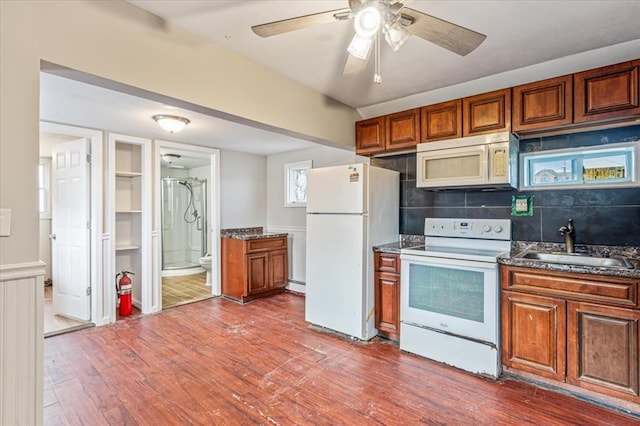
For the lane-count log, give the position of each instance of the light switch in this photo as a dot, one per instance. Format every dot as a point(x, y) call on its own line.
point(5, 222)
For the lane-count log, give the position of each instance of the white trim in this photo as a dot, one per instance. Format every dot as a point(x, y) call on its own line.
point(96, 265)
point(297, 287)
point(214, 214)
point(279, 229)
point(17, 271)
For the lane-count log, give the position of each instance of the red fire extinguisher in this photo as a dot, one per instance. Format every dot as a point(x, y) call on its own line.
point(123, 287)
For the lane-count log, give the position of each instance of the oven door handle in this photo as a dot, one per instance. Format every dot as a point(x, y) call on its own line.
point(445, 261)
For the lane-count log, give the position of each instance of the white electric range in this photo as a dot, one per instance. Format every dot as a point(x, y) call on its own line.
point(449, 307)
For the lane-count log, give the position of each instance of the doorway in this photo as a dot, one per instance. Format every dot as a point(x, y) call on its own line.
point(69, 226)
point(187, 214)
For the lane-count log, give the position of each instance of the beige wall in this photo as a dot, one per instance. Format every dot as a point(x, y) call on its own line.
point(119, 42)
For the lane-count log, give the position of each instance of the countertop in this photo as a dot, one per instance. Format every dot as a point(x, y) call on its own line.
point(631, 253)
point(405, 241)
point(254, 233)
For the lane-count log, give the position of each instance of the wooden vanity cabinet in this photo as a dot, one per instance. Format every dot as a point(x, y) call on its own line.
point(387, 294)
point(370, 136)
point(487, 113)
point(577, 328)
point(607, 93)
point(441, 121)
point(253, 268)
point(543, 104)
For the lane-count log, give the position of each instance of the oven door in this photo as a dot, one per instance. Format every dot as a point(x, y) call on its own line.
point(458, 297)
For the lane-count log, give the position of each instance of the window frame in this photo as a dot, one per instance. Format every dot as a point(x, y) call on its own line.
point(288, 169)
point(578, 155)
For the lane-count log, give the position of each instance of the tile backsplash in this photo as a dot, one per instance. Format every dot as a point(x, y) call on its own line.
point(601, 216)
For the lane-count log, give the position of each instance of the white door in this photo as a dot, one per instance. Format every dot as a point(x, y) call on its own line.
point(335, 273)
point(70, 255)
point(338, 189)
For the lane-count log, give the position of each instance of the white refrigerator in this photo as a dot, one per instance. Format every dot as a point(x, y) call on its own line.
point(350, 209)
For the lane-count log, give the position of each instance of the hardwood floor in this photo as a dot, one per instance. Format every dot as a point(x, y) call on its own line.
point(184, 289)
point(56, 324)
point(218, 362)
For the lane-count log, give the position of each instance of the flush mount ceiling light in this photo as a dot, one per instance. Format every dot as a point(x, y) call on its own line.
point(171, 123)
point(169, 158)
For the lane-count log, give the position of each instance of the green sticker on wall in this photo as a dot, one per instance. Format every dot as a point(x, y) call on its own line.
point(522, 205)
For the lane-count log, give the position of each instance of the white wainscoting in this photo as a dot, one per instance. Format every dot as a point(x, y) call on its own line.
point(108, 302)
point(297, 255)
point(21, 341)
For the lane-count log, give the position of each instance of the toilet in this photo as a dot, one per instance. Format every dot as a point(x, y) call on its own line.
point(205, 262)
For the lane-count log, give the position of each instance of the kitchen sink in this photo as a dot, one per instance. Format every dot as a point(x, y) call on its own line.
point(577, 259)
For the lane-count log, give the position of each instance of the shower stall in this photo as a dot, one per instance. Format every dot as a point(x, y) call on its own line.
point(184, 222)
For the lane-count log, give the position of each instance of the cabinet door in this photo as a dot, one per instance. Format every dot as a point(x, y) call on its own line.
point(278, 269)
point(487, 113)
point(607, 93)
point(441, 121)
point(534, 334)
point(602, 352)
point(387, 295)
point(257, 273)
point(370, 135)
point(543, 104)
point(403, 129)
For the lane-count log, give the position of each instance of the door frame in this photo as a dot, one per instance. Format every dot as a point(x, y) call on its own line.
point(214, 214)
point(96, 138)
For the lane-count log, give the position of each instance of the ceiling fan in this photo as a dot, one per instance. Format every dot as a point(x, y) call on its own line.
point(391, 18)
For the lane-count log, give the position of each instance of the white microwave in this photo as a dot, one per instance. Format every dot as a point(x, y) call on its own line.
point(485, 161)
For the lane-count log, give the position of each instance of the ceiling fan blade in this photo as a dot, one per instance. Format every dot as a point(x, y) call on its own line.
point(300, 22)
point(354, 65)
point(450, 36)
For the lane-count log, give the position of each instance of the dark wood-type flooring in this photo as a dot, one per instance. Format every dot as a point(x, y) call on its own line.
point(218, 362)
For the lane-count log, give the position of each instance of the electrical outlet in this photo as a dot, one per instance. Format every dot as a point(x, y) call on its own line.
point(5, 222)
point(522, 205)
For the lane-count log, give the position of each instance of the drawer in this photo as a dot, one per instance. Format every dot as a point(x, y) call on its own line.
point(266, 244)
point(601, 289)
point(387, 262)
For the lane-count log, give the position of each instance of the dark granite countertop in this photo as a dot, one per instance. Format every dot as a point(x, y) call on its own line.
point(254, 233)
point(631, 253)
point(405, 241)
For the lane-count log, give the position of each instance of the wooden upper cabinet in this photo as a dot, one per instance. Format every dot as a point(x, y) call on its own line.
point(487, 113)
point(543, 104)
point(441, 121)
point(370, 135)
point(607, 93)
point(403, 129)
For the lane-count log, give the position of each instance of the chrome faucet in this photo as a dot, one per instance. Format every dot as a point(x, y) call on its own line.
point(569, 236)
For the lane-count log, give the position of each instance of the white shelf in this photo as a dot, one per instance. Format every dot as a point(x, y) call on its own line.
point(128, 211)
point(127, 174)
point(129, 247)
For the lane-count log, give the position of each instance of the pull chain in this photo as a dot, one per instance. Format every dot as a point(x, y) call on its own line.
point(377, 78)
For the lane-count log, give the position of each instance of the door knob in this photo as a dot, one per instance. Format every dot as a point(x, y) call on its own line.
point(52, 236)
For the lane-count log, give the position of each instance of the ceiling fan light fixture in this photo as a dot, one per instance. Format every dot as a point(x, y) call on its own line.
point(360, 46)
point(171, 123)
point(396, 35)
point(367, 21)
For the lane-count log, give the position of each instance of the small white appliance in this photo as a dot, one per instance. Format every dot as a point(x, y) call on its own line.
point(350, 209)
point(449, 293)
point(483, 161)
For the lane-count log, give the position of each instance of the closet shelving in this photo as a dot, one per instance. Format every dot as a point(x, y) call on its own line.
point(131, 206)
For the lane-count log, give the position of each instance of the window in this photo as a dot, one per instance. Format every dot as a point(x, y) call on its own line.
point(44, 188)
point(295, 183)
point(614, 165)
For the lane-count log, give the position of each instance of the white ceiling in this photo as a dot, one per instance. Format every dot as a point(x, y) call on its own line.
point(67, 101)
point(519, 34)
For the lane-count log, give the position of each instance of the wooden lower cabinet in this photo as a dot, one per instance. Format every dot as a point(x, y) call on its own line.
point(387, 294)
point(253, 268)
point(576, 328)
point(602, 351)
point(534, 334)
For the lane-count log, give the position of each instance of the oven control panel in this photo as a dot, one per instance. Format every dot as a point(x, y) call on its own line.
point(493, 229)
